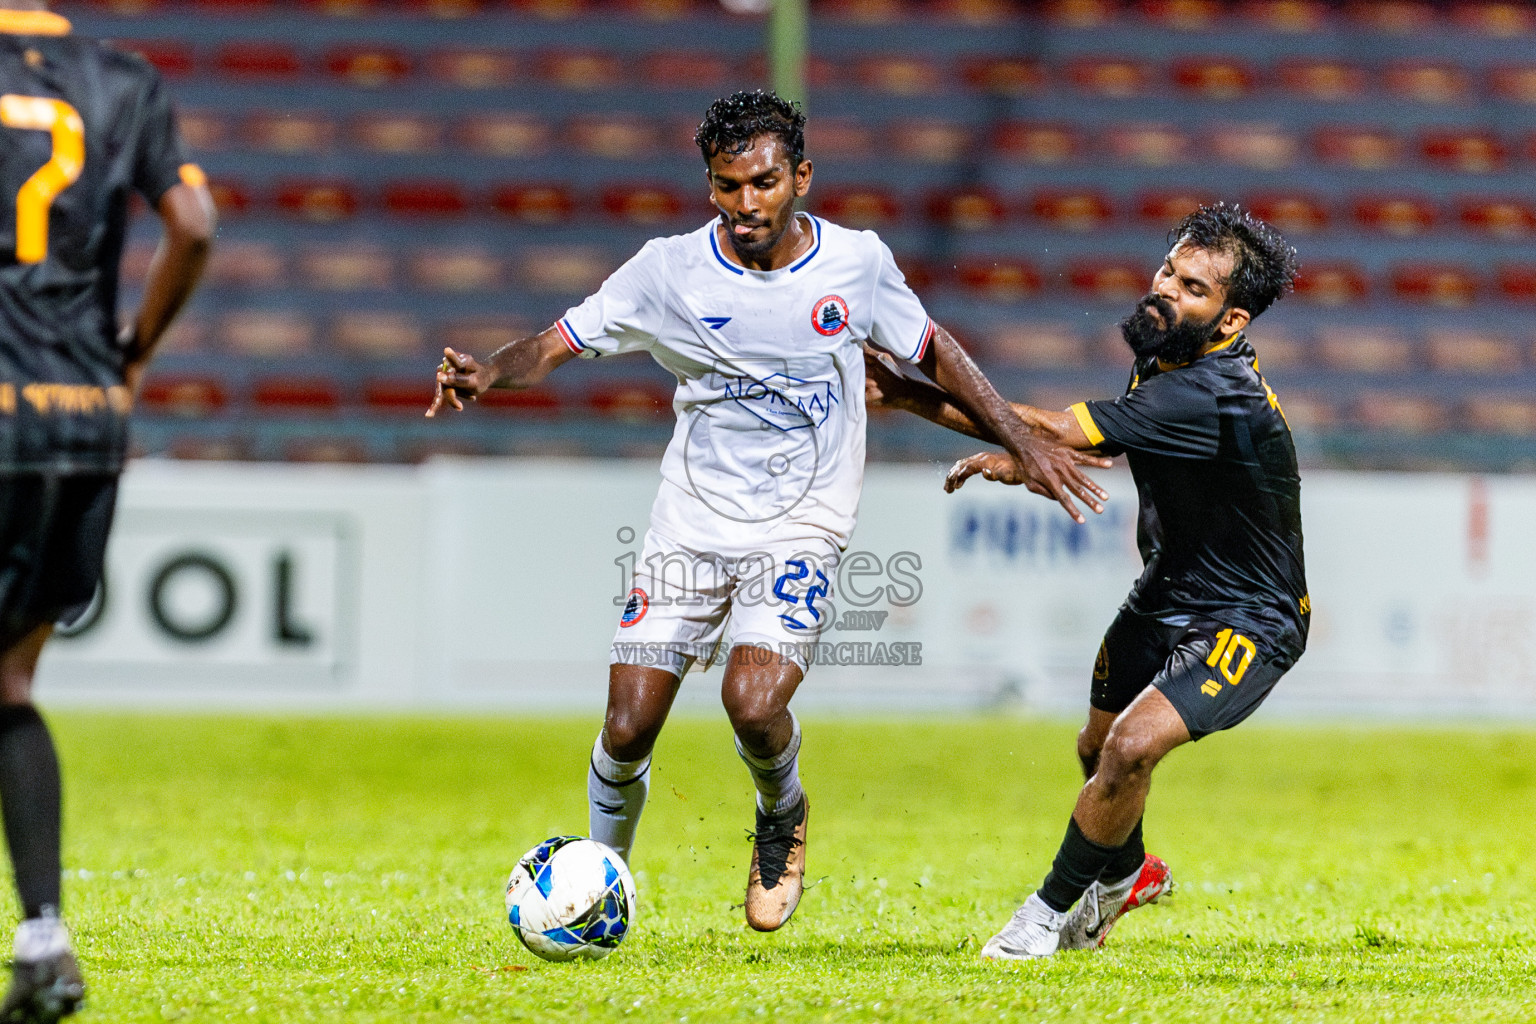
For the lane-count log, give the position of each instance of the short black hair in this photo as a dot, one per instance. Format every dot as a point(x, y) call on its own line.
point(1263, 263)
point(733, 121)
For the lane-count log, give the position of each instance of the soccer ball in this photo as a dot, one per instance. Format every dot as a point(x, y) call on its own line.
point(571, 898)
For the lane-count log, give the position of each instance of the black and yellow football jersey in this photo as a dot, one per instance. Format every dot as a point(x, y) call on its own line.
point(83, 126)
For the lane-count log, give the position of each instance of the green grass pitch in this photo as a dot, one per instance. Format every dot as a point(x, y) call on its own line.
point(263, 869)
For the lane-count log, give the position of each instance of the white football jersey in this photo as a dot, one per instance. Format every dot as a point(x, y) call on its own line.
point(769, 443)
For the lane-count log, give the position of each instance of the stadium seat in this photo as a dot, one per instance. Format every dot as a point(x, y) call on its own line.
point(1111, 280)
point(1277, 348)
point(187, 334)
point(534, 203)
point(1183, 15)
point(481, 335)
point(551, 10)
point(368, 67)
point(1146, 145)
point(289, 131)
point(1326, 81)
point(1263, 147)
point(230, 198)
point(838, 138)
point(1500, 20)
point(1162, 210)
point(189, 395)
point(474, 68)
point(347, 267)
point(1012, 77)
point(1331, 284)
point(130, 8)
point(232, 8)
point(536, 401)
point(898, 75)
point(1435, 284)
point(405, 396)
point(643, 203)
point(263, 333)
point(1038, 143)
point(1071, 210)
point(1289, 16)
point(1399, 413)
point(1042, 346)
point(1500, 414)
point(577, 70)
point(1516, 282)
point(504, 135)
point(631, 402)
point(309, 394)
point(864, 12)
point(378, 334)
point(1003, 279)
point(930, 141)
point(1424, 82)
point(1398, 17)
point(1468, 152)
point(425, 198)
point(397, 133)
point(204, 131)
point(921, 276)
point(246, 265)
point(685, 69)
point(202, 448)
point(258, 61)
point(566, 269)
point(967, 210)
point(341, 8)
point(464, 268)
point(1211, 78)
point(171, 57)
point(1365, 350)
point(319, 201)
point(1291, 213)
point(973, 13)
point(1515, 83)
point(1359, 148)
point(1114, 78)
point(1403, 216)
point(324, 449)
point(1508, 218)
point(614, 137)
point(1080, 14)
point(1472, 352)
point(858, 208)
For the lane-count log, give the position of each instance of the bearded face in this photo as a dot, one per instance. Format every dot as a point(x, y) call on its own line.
point(1153, 329)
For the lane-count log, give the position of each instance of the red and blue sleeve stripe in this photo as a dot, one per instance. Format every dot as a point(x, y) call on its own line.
point(922, 346)
point(572, 339)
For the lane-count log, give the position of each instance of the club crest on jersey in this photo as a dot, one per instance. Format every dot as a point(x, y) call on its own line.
point(635, 608)
point(829, 315)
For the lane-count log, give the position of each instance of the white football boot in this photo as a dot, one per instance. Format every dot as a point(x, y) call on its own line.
point(1034, 931)
point(1096, 913)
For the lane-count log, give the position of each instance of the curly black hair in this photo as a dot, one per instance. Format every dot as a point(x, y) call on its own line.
point(732, 122)
point(1263, 263)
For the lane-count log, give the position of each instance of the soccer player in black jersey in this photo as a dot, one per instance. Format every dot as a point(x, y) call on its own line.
point(83, 127)
point(1221, 611)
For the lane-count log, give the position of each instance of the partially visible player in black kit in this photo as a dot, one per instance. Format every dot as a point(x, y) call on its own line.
point(82, 127)
point(1221, 611)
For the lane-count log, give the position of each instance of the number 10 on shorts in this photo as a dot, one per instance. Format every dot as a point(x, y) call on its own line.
point(1228, 644)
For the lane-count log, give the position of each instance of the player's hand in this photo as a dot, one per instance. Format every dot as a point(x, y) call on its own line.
point(884, 385)
point(1048, 470)
point(460, 378)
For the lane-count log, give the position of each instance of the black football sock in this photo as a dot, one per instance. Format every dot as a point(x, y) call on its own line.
point(1127, 860)
point(29, 803)
point(1077, 865)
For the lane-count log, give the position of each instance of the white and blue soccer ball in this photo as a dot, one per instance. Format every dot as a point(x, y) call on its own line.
point(571, 898)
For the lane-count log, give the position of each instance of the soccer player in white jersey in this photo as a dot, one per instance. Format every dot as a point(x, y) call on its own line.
point(761, 315)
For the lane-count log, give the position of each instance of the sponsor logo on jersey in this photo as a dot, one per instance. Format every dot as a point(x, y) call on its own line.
point(829, 315)
point(714, 323)
point(635, 608)
point(786, 402)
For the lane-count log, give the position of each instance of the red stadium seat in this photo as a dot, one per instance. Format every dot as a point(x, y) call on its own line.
point(566, 269)
point(204, 131)
point(261, 333)
point(973, 12)
point(930, 141)
point(378, 334)
point(317, 200)
point(1500, 218)
point(1435, 284)
point(1004, 76)
point(527, 402)
point(1359, 148)
point(1472, 352)
point(642, 203)
point(1332, 284)
point(504, 135)
point(246, 60)
point(1165, 209)
point(1038, 143)
point(551, 10)
point(1147, 145)
point(289, 131)
point(864, 12)
point(465, 268)
point(425, 198)
point(657, 10)
point(1400, 414)
point(1291, 213)
point(1500, 20)
point(1403, 216)
point(616, 137)
point(1469, 152)
point(534, 204)
point(1290, 16)
point(578, 70)
point(407, 396)
point(838, 137)
point(234, 8)
point(1183, 15)
point(633, 402)
point(230, 198)
point(858, 208)
point(967, 209)
point(1498, 414)
point(1398, 17)
point(246, 265)
point(921, 275)
point(1072, 210)
point(1423, 82)
point(189, 395)
point(1111, 280)
point(1004, 279)
point(347, 267)
point(820, 72)
point(369, 67)
point(171, 57)
point(474, 69)
point(341, 8)
point(296, 395)
point(1080, 14)
point(130, 8)
point(685, 69)
point(1516, 282)
point(397, 133)
point(898, 75)
point(1515, 83)
point(1327, 81)
point(1046, 346)
point(1214, 79)
point(1260, 146)
point(1116, 78)
point(1366, 351)
point(480, 334)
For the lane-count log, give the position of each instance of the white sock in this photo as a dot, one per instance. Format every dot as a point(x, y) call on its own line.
point(38, 938)
point(777, 778)
point(616, 792)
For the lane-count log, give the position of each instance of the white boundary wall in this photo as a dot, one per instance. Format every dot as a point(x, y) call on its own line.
point(463, 585)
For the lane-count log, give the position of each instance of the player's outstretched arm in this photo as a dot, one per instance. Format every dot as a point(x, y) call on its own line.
point(520, 364)
point(188, 217)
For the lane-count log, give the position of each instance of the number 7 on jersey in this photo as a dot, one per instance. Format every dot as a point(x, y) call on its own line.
point(38, 192)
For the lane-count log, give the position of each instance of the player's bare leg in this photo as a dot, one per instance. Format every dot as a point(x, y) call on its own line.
point(619, 777)
point(45, 983)
point(756, 691)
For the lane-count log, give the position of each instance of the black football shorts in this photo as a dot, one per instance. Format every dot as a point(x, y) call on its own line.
point(53, 542)
point(1213, 675)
